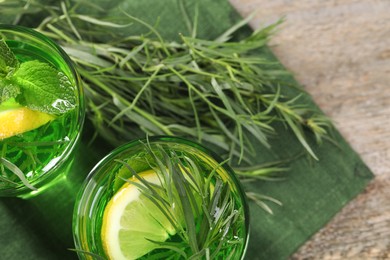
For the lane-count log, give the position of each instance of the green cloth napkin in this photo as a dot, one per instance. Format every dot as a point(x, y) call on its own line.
point(312, 192)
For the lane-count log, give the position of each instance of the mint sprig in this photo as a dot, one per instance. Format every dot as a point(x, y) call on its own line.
point(44, 88)
point(34, 84)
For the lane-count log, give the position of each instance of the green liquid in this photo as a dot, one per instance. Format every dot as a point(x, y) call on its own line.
point(39, 153)
point(108, 182)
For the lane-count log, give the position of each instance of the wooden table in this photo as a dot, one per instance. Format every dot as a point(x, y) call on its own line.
point(339, 51)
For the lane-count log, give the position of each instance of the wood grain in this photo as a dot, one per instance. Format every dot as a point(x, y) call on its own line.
point(339, 51)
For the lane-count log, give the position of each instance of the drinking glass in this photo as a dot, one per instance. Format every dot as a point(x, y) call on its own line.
point(32, 160)
point(161, 197)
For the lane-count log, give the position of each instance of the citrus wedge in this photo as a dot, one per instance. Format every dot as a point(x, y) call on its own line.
point(16, 120)
point(131, 221)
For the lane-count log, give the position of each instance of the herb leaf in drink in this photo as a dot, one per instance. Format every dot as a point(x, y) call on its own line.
point(8, 61)
point(183, 207)
point(34, 84)
point(8, 90)
point(44, 88)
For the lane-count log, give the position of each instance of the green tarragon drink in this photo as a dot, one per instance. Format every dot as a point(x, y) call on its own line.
point(161, 198)
point(41, 111)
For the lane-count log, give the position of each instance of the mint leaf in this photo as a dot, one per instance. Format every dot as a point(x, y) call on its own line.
point(34, 84)
point(43, 88)
point(8, 65)
point(8, 61)
point(8, 90)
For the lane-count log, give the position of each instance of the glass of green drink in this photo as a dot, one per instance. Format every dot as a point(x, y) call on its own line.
point(41, 112)
point(161, 198)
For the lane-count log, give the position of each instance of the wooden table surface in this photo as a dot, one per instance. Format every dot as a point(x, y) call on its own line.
point(339, 51)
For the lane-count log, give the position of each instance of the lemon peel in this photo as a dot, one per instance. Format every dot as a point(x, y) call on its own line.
point(19, 120)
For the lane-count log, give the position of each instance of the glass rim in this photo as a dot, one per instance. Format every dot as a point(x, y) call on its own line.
point(80, 114)
point(84, 197)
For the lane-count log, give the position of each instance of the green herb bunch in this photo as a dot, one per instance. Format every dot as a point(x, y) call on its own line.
point(229, 93)
point(219, 92)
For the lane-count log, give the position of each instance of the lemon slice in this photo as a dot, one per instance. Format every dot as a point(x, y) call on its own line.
point(16, 120)
point(131, 221)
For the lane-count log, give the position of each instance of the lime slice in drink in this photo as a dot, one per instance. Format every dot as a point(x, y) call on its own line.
point(15, 119)
point(131, 221)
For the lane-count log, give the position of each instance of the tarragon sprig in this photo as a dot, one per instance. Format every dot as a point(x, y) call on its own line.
point(221, 92)
point(218, 92)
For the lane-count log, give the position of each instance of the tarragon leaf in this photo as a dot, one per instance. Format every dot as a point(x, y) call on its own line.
point(43, 88)
point(15, 170)
point(8, 61)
